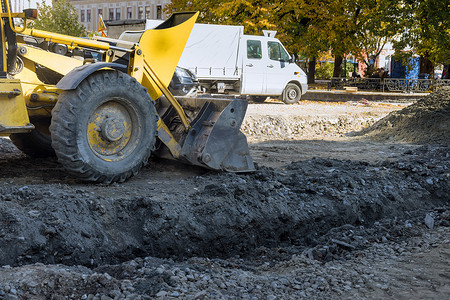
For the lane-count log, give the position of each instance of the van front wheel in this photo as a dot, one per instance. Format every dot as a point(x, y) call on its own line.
point(292, 93)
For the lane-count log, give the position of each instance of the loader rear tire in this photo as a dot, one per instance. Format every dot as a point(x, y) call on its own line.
point(105, 129)
point(36, 143)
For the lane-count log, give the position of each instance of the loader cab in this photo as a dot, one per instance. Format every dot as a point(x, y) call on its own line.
point(267, 67)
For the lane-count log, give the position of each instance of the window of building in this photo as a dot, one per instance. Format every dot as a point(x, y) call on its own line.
point(158, 11)
point(129, 13)
point(118, 13)
point(140, 13)
point(111, 14)
point(254, 49)
point(100, 12)
point(147, 12)
point(82, 15)
point(88, 15)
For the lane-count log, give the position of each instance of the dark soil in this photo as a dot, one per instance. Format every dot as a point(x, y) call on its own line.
point(320, 227)
point(214, 215)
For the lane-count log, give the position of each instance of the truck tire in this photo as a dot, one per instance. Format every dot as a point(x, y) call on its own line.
point(292, 93)
point(258, 99)
point(38, 142)
point(105, 129)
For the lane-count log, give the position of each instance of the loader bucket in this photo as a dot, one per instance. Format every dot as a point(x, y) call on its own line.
point(162, 47)
point(215, 140)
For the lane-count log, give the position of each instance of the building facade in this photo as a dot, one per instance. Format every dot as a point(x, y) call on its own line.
point(113, 10)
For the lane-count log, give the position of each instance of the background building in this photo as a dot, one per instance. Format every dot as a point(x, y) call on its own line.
point(19, 5)
point(112, 11)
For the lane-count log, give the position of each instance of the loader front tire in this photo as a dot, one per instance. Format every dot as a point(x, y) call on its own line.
point(105, 129)
point(36, 143)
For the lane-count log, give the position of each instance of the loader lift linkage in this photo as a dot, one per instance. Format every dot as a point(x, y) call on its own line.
point(104, 117)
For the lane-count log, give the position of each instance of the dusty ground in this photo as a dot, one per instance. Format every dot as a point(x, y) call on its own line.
point(327, 215)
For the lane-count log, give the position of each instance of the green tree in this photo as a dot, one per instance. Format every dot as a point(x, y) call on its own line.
point(61, 18)
point(377, 21)
point(427, 31)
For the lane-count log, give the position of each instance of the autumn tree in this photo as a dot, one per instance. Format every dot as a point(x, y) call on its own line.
point(426, 31)
point(60, 18)
point(301, 29)
point(376, 23)
point(254, 15)
point(311, 28)
point(204, 7)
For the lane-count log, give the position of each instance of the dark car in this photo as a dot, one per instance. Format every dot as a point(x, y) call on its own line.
point(183, 83)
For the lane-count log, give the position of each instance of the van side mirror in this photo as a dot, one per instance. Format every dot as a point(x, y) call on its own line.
point(292, 59)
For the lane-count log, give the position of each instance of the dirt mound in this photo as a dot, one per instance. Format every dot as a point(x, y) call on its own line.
point(426, 121)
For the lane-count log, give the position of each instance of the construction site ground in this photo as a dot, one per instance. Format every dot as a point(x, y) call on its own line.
point(350, 200)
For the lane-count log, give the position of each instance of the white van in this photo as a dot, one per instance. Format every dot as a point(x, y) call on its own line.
point(225, 60)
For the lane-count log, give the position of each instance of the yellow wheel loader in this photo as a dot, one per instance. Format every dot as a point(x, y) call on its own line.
point(102, 105)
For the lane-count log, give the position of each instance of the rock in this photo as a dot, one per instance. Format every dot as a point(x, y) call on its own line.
point(429, 221)
point(190, 277)
point(200, 295)
point(161, 294)
point(34, 213)
point(343, 244)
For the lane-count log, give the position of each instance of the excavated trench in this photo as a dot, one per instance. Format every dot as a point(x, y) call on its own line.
point(180, 211)
point(197, 214)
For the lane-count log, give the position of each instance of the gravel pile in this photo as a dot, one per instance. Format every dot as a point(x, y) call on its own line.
point(308, 119)
point(296, 127)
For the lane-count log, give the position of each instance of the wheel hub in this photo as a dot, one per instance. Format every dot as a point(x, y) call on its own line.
point(113, 129)
point(110, 130)
point(292, 94)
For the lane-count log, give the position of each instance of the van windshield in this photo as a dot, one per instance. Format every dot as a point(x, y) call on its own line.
point(277, 52)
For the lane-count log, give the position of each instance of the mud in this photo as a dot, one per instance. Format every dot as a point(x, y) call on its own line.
point(337, 218)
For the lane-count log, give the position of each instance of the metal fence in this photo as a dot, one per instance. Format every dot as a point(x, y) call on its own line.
point(389, 84)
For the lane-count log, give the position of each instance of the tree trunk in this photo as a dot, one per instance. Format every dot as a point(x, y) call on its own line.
point(311, 70)
point(337, 72)
point(426, 66)
point(445, 72)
